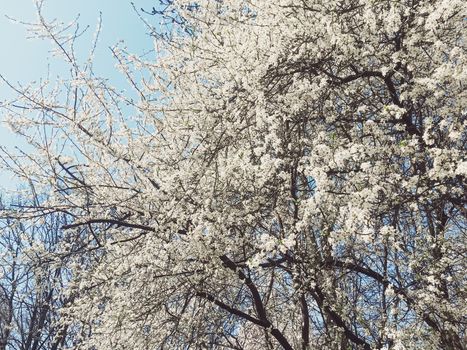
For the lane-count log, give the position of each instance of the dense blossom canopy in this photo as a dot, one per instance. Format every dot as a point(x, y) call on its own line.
point(285, 174)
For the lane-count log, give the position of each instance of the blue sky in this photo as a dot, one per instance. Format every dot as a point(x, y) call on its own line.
point(24, 60)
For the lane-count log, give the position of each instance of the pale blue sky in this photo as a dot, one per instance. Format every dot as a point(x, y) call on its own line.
point(24, 60)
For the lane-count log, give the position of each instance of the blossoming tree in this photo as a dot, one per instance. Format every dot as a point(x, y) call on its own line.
point(30, 286)
point(285, 174)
